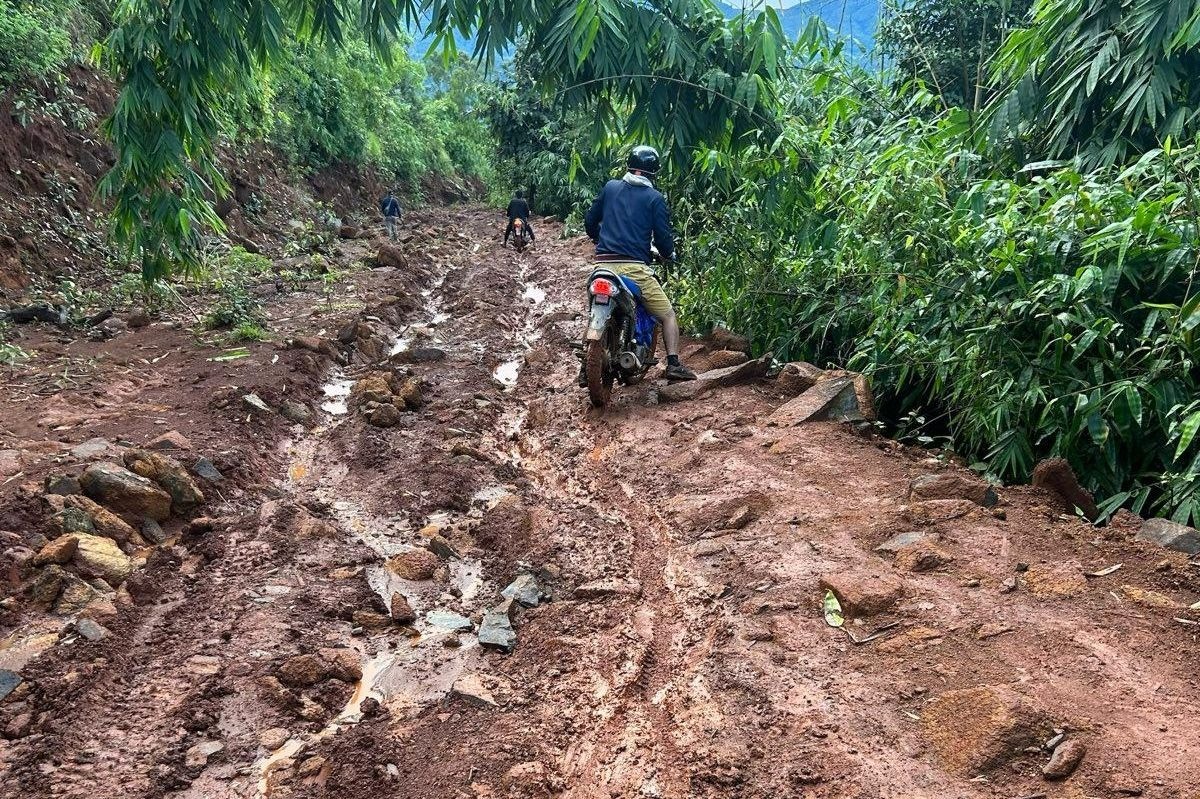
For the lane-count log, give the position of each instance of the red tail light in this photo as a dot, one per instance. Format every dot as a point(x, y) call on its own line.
point(603, 288)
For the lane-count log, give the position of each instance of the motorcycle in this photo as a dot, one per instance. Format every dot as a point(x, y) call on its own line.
point(520, 235)
point(621, 336)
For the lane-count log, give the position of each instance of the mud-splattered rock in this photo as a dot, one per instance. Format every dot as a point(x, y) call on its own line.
point(602, 589)
point(383, 415)
point(723, 359)
point(198, 756)
point(1056, 581)
point(723, 339)
point(951, 485)
point(416, 565)
point(372, 387)
point(1057, 476)
point(304, 670)
point(704, 512)
point(525, 590)
point(409, 394)
point(104, 521)
point(275, 693)
point(922, 557)
point(1066, 758)
point(843, 399)
point(1171, 535)
point(1149, 599)
point(78, 597)
point(864, 593)
point(973, 730)
point(63, 485)
point(126, 493)
point(419, 355)
point(60, 550)
point(471, 688)
point(185, 494)
point(68, 521)
point(902, 540)
point(496, 630)
point(370, 620)
point(714, 379)
point(93, 448)
point(345, 664)
point(46, 587)
point(402, 612)
point(92, 630)
point(274, 738)
point(101, 557)
point(295, 411)
point(207, 470)
point(171, 440)
point(153, 532)
point(797, 377)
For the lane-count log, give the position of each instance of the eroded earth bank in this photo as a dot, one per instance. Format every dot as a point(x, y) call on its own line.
point(285, 574)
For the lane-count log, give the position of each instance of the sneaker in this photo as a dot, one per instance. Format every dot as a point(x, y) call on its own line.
point(679, 372)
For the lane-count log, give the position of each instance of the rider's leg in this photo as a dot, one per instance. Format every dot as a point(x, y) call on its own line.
point(656, 302)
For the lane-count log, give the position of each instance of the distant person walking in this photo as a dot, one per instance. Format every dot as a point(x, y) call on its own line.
point(518, 208)
point(389, 206)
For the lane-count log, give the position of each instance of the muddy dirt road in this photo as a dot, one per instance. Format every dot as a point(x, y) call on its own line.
point(330, 621)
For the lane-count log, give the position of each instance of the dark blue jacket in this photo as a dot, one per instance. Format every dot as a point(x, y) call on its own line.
point(625, 217)
point(389, 206)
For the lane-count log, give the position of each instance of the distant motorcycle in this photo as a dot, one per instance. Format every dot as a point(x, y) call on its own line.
point(621, 336)
point(520, 235)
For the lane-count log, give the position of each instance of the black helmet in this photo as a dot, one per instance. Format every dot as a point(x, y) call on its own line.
point(644, 159)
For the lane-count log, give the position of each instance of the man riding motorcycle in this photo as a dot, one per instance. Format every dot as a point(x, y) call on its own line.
point(518, 208)
point(624, 220)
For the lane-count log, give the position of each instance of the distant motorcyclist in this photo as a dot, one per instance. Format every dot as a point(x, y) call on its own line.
point(389, 206)
point(518, 208)
point(625, 219)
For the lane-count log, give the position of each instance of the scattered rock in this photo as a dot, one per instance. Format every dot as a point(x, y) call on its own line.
point(93, 448)
point(101, 557)
point(932, 511)
point(153, 532)
point(951, 485)
point(171, 440)
point(254, 403)
point(126, 493)
point(1171, 535)
point(912, 637)
point(701, 513)
point(370, 620)
point(1066, 758)
point(198, 756)
point(1149, 599)
point(204, 469)
point(77, 597)
point(63, 485)
point(1056, 475)
point(1056, 581)
point(409, 394)
point(723, 359)
point(992, 629)
point(345, 664)
point(47, 586)
point(275, 693)
point(274, 738)
point(72, 520)
point(922, 557)
point(168, 473)
point(137, 319)
point(302, 671)
point(296, 412)
point(525, 590)
point(384, 415)
point(402, 612)
point(9, 680)
point(1009, 585)
point(372, 387)
point(438, 544)
point(472, 689)
point(496, 630)
point(902, 540)
point(723, 339)
point(602, 589)
point(797, 377)
point(973, 730)
point(91, 630)
point(104, 522)
point(445, 620)
point(419, 355)
point(416, 565)
point(837, 398)
point(60, 550)
point(864, 593)
point(716, 378)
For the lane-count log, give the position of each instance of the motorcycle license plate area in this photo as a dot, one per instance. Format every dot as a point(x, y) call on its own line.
point(598, 319)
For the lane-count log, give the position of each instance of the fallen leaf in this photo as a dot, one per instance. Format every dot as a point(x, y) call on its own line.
point(1104, 572)
point(833, 610)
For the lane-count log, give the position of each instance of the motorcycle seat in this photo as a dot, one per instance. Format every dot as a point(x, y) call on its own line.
point(628, 283)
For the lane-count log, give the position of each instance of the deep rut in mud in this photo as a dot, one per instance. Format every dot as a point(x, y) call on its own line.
point(324, 638)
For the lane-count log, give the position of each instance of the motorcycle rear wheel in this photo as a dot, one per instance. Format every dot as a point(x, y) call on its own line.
point(599, 379)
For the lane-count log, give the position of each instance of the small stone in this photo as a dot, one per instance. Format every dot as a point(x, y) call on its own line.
point(198, 756)
point(63, 485)
point(91, 630)
point(952, 485)
point(525, 590)
point(384, 415)
point(1066, 758)
point(922, 557)
point(471, 688)
point(602, 589)
point(204, 469)
point(370, 620)
point(60, 551)
point(497, 631)
point(402, 612)
point(274, 738)
point(416, 565)
point(1009, 585)
point(9, 680)
point(126, 493)
point(255, 403)
point(1171, 535)
point(171, 440)
point(445, 620)
point(438, 544)
point(153, 532)
point(296, 412)
point(901, 540)
point(101, 557)
point(992, 629)
point(864, 593)
point(93, 448)
point(304, 670)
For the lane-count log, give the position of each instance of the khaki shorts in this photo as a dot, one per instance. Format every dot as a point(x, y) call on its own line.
point(653, 296)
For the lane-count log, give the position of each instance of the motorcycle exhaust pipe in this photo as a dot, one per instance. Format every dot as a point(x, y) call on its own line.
point(629, 362)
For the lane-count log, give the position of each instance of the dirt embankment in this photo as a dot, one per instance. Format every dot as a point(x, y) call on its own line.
point(332, 621)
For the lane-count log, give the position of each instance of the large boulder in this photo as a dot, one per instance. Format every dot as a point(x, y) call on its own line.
point(185, 494)
point(797, 377)
point(716, 378)
point(129, 494)
point(838, 396)
point(1171, 535)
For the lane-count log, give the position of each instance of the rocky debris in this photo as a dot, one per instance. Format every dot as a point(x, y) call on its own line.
point(496, 630)
point(101, 557)
point(723, 359)
point(171, 440)
point(864, 593)
point(1171, 535)
point(390, 255)
point(206, 470)
point(1056, 475)
point(416, 565)
point(274, 738)
point(973, 730)
point(60, 550)
point(525, 590)
point(296, 412)
point(797, 377)
point(63, 485)
point(1066, 758)
point(1056, 581)
point(94, 448)
point(255, 404)
point(275, 693)
point(46, 586)
point(302, 671)
point(9, 680)
point(345, 664)
point(372, 387)
point(348, 232)
point(153, 532)
point(471, 688)
point(72, 520)
point(723, 339)
point(408, 393)
point(610, 587)
point(913, 637)
point(402, 612)
point(78, 596)
point(951, 485)
point(91, 629)
point(382, 415)
point(701, 513)
point(715, 378)
point(198, 756)
point(922, 557)
point(315, 344)
point(901, 540)
point(370, 620)
point(992, 629)
point(100, 520)
point(932, 511)
point(437, 543)
point(124, 492)
point(419, 355)
point(445, 620)
point(185, 494)
point(845, 398)
point(1149, 599)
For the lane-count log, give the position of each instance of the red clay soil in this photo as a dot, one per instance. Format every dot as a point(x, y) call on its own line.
point(678, 648)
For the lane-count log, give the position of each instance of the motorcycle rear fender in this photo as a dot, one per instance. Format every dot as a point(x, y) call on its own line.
point(598, 321)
